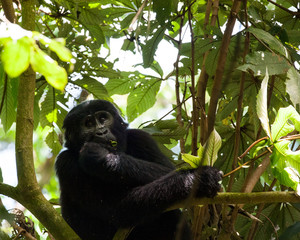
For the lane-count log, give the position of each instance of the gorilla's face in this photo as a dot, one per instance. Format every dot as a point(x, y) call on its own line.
point(94, 121)
point(97, 128)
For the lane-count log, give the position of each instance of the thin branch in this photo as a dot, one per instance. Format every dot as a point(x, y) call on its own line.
point(240, 105)
point(221, 66)
point(284, 9)
point(137, 15)
point(195, 115)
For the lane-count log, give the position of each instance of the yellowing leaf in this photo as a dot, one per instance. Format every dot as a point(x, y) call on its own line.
point(15, 56)
point(55, 75)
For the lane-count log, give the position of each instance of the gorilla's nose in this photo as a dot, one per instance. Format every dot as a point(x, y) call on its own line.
point(101, 132)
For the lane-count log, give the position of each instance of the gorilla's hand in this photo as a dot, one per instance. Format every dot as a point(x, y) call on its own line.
point(92, 150)
point(208, 181)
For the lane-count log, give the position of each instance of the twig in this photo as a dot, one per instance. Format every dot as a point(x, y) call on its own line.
point(137, 15)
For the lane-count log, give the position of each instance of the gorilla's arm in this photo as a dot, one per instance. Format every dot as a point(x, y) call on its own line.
point(118, 167)
point(155, 197)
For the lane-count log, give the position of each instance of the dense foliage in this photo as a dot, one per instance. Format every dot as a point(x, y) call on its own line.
point(236, 85)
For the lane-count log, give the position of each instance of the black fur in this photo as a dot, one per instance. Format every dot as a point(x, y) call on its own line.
point(104, 188)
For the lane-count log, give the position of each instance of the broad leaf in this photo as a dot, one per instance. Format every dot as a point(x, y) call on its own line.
point(150, 48)
point(286, 164)
point(272, 41)
point(55, 75)
point(293, 85)
point(93, 86)
point(281, 126)
point(259, 61)
point(211, 148)
point(261, 105)
point(192, 160)
point(57, 46)
point(142, 98)
point(8, 113)
point(15, 56)
point(118, 86)
point(52, 141)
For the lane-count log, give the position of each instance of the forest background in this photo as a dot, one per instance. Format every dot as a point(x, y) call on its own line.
point(228, 96)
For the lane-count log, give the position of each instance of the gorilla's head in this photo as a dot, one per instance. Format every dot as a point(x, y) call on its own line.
point(97, 121)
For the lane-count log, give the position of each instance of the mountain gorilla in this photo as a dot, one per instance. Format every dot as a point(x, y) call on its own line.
point(113, 177)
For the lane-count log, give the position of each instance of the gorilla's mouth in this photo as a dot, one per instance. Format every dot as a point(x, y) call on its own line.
point(104, 139)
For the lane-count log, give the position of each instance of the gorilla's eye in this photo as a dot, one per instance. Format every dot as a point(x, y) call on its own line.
point(102, 116)
point(89, 122)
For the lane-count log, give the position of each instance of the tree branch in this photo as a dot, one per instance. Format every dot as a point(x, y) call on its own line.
point(241, 198)
point(9, 11)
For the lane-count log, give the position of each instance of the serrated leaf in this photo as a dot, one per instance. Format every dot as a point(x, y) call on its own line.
point(142, 98)
point(151, 45)
point(259, 61)
point(48, 115)
point(15, 56)
point(261, 105)
point(166, 135)
point(53, 143)
point(93, 86)
point(118, 86)
point(272, 41)
point(281, 126)
point(55, 75)
point(293, 85)
point(211, 148)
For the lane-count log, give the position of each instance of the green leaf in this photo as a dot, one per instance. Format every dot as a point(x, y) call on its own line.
point(281, 126)
point(163, 9)
point(286, 164)
point(93, 86)
point(57, 46)
point(211, 148)
point(15, 56)
point(142, 98)
point(52, 141)
point(290, 231)
point(48, 113)
point(192, 160)
point(8, 113)
point(261, 105)
point(272, 41)
point(259, 61)
point(1, 176)
point(151, 45)
point(118, 86)
point(55, 75)
point(293, 85)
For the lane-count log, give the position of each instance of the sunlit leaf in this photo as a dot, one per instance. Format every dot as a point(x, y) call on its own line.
point(281, 126)
point(55, 75)
point(261, 105)
point(211, 148)
point(194, 161)
point(15, 56)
